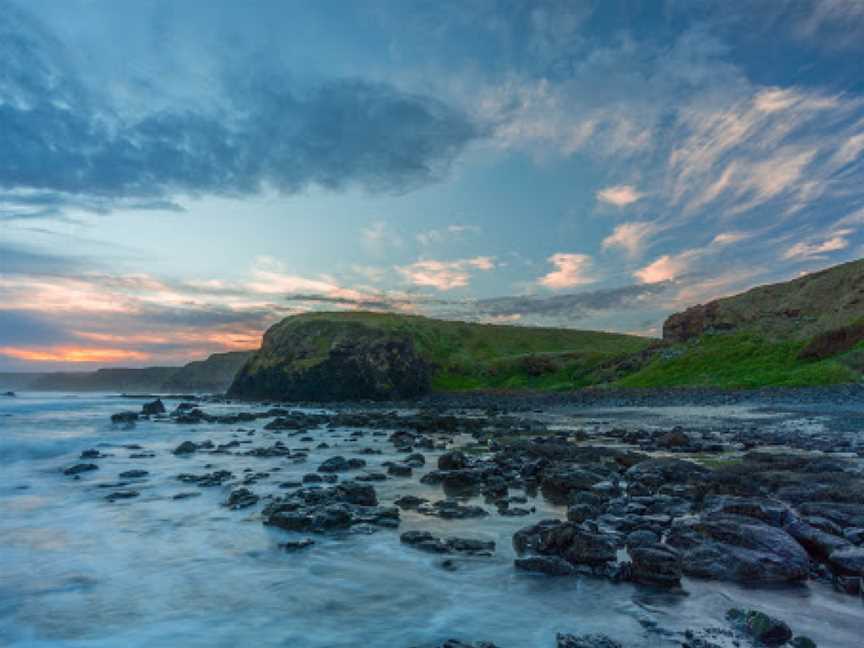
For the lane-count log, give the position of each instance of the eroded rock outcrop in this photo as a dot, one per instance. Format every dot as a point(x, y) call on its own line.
point(320, 359)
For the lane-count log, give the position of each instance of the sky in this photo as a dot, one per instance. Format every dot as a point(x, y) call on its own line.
point(175, 177)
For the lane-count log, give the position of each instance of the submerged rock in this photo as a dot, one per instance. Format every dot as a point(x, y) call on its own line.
point(124, 417)
point(77, 469)
point(241, 498)
point(766, 630)
point(585, 641)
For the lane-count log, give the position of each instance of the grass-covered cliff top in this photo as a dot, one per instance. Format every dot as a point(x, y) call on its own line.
point(465, 355)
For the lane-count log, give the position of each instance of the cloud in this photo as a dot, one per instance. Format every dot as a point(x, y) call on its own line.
point(444, 275)
point(807, 250)
point(630, 237)
point(665, 268)
point(619, 195)
point(379, 236)
point(571, 270)
point(728, 238)
point(432, 236)
point(266, 131)
point(570, 306)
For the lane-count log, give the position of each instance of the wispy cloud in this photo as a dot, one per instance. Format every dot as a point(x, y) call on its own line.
point(630, 237)
point(809, 250)
point(619, 195)
point(444, 234)
point(444, 275)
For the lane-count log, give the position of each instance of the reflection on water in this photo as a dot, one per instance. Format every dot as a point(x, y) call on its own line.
point(76, 570)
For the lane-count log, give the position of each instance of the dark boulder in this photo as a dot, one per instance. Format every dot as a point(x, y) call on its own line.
point(453, 460)
point(187, 447)
point(848, 561)
point(736, 548)
point(578, 544)
point(655, 564)
point(153, 407)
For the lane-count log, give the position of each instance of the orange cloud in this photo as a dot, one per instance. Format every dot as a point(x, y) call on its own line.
point(71, 354)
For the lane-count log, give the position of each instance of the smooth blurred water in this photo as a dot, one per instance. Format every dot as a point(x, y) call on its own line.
point(77, 570)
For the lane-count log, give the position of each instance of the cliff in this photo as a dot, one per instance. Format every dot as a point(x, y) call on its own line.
point(794, 310)
point(359, 355)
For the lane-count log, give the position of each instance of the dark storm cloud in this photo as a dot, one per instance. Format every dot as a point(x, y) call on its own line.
point(61, 141)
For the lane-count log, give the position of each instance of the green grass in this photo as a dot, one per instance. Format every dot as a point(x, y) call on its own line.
point(739, 361)
point(471, 356)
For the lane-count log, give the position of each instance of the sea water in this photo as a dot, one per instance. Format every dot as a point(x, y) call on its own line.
point(79, 570)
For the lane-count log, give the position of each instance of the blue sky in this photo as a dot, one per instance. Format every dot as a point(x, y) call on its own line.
point(176, 177)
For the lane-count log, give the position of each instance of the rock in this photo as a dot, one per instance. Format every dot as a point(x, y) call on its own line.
point(650, 475)
point(153, 407)
point(340, 464)
point(455, 643)
point(77, 469)
point(122, 494)
point(425, 541)
point(818, 544)
point(655, 564)
point(578, 544)
point(735, 548)
point(564, 480)
point(802, 642)
point(580, 513)
point(187, 447)
point(549, 565)
point(133, 474)
point(91, 454)
point(676, 438)
point(453, 460)
point(641, 538)
point(240, 499)
point(766, 630)
point(127, 418)
point(767, 510)
point(410, 502)
point(452, 510)
point(399, 470)
point(855, 535)
point(320, 510)
point(585, 641)
point(187, 495)
point(848, 561)
point(296, 545)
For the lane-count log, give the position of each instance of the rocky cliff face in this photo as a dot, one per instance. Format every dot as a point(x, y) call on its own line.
point(799, 309)
point(316, 359)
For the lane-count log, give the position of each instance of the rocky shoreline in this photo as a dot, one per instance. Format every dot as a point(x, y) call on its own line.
point(647, 505)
